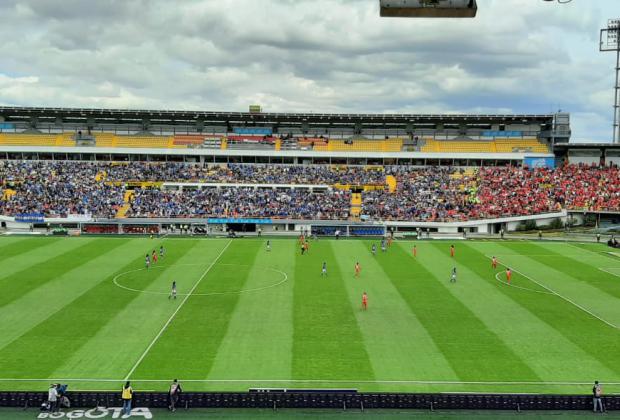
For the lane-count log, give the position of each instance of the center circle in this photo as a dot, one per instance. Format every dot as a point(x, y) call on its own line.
point(282, 274)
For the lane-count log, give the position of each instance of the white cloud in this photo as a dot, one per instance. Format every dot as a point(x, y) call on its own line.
point(526, 56)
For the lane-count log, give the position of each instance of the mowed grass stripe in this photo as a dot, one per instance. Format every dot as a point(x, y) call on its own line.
point(197, 331)
point(40, 272)
point(66, 330)
point(560, 275)
point(259, 340)
point(24, 313)
point(398, 345)
point(475, 352)
point(13, 246)
point(41, 250)
point(327, 341)
point(117, 346)
point(545, 337)
point(585, 267)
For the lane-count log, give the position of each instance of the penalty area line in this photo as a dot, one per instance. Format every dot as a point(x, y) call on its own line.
point(161, 331)
point(606, 270)
point(519, 287)
point(560, 296)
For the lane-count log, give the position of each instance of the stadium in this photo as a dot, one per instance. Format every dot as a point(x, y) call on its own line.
point(297, 264)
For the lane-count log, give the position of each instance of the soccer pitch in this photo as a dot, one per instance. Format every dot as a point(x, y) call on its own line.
point(85, 311)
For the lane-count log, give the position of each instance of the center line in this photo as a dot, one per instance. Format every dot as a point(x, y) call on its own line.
point(176, 311)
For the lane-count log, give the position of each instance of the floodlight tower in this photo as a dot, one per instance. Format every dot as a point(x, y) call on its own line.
point(610, 41)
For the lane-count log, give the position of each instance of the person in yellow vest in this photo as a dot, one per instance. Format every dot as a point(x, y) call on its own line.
point(126, 396)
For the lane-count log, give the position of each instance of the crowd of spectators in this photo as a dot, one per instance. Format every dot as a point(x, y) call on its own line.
point(425, 194)
point(56, 189)
point(516, 191)
point(243, 173)
point(241, 202)
point(59, 189)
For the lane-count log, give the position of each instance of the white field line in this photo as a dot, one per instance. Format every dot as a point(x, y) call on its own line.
point(315, 381)
point(599, 253)
point(560, 296)
point(519, 287)
point(606, 270)
point(537, 255)
point(176, 311)
point(232, 292)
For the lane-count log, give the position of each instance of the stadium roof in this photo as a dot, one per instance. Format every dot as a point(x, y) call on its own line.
point(132, 115)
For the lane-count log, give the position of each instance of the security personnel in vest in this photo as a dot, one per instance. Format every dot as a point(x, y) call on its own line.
point(126, 396)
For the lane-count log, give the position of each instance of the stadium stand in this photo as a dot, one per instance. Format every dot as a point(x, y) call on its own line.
point(144, 141)
point(254, 142)
point(361, 145)
point(507, 145)
point(24, 139)
point(60, 188)
point(188, 140)
point(105, 140)
point(356, 205)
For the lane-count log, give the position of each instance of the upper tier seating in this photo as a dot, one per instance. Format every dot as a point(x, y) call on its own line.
point(508, 145)
point(188, 140)
point(33, 139)
point(144, 141)
point(361, 145)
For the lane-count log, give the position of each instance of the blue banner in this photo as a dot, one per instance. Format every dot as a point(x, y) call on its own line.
point(30, 218)
point(230, 220)
point(7, 126)
point(257, 131)
point(546, 162)
point(502, 133)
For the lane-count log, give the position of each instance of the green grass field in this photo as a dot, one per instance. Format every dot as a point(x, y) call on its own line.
point(85, 311)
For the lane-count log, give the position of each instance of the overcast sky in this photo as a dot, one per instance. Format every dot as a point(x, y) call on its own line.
point(516, 56)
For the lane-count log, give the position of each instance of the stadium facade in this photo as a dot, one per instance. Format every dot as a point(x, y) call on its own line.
point(364, 140)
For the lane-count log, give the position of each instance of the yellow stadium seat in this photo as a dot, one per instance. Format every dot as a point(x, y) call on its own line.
point(159, 142)
point(104, 139)
point(66, 139)
point(508, 145)
point(361, 145)
point(20, 139)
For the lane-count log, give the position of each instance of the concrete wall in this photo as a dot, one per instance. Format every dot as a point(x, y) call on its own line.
point(587, 160)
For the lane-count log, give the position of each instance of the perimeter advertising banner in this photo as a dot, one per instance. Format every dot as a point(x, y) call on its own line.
point(30, 218)
point(539, 162)
point(233, 220)
point(258, 131)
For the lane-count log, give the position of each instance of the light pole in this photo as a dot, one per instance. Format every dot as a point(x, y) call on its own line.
point(609, 41)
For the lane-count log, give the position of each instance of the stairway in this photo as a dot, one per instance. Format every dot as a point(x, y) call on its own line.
point(7, 194)
point(356, 205)
point(390, 180)
point(122, 210)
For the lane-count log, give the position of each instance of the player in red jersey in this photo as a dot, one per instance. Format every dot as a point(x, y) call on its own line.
point(154, 257)
point(415, 251)
point(364, 301)
point(508, 275)
point(452, 251)
point(494, 262)
point(357, 269)
point(389, 241)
